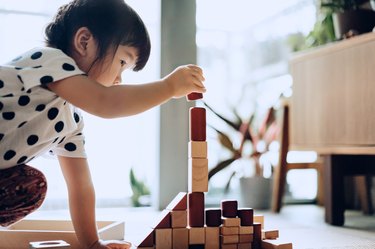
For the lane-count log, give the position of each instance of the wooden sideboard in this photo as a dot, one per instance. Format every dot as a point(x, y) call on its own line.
point(332, 111)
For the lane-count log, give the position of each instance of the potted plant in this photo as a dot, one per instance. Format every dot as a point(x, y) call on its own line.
point(255, 190)
point(350, 17)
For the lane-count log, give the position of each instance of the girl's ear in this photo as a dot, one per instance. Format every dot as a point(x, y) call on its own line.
point(83, 42)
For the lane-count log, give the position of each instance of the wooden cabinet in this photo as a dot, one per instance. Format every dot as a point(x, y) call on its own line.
point(333, 102)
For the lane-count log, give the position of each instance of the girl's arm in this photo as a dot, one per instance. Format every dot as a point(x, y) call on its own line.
point(82, 203)
point(126, 100)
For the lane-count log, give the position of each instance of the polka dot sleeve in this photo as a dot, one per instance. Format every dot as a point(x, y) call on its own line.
point(45, 66)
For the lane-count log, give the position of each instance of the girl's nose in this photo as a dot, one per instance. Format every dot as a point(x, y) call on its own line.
point(118, 80)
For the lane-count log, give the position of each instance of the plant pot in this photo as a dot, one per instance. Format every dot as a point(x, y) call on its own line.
point(255, 192)
point(359, 21)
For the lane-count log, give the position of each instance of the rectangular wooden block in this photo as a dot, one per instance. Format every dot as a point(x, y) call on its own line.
point(270, 234)
point(276, 244)
point(246, 230)
point(213, 217)
point(180, 238)
point(197, 235)
point(244, 246)
point(224, 230)
point(229, 246)
point(259, 219)
point(230, 222)
point(212, 238)
point(197, 149)
point(229, 239)
point(257, 235)
point(21, 233)
point(179, 218)
point(163, 238)
point(246, 215)
point(196, 209)
point(229, 208)
point(51, 244)
point(198, 175)
point(197, 124)
point(179, 202)
point(245, 238)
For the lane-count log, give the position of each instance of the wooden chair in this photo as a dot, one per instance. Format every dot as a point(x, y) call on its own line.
point(361, 182)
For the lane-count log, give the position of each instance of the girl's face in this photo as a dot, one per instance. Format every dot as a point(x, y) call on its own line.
point(108, 71)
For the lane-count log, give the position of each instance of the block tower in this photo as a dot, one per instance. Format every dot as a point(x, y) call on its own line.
point(186, 224)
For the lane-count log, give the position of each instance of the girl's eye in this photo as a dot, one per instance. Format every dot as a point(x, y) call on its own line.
point(122, 62)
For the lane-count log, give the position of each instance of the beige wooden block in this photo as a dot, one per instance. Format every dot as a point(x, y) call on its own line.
point(21, 233)
point(225, 230)
point(212, 237)
point(198, 175)
point(163, 238)
point(259, 219)
point(179, 219)
point(51, 244)
point(270, 234)
point(276, 244)
point(230, 222)
point(197, 149)
point(246, 238)
point(180, 238)
point(244, 246)
point(246, 230)
point(197, 235)
point(229, 239)
point(229, 246)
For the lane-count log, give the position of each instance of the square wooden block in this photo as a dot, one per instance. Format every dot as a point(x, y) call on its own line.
point(197, 149)
point(198, 175)
point(20, 234)
point(212, 238)
point(179, 218)
point(180, 238)
point(163, 238)
point(197, 235)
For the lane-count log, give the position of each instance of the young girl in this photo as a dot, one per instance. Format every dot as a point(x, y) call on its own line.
point(89, 44)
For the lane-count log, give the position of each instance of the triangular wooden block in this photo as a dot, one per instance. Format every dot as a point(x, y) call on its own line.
point(179, 202)
point(146, 239)
point(163, 220)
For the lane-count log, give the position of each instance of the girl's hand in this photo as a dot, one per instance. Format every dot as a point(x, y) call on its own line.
point(184, 80)
point(111, 244)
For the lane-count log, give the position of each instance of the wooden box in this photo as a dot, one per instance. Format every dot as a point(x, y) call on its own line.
point(20, 234)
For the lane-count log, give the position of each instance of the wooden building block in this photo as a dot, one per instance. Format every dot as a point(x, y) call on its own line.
point(163, 238)
point(246, 230)
point(270, 234)
point(198, 175)
point(213, 217)
point(51, 244)
point(197, 149)
point(230, 222)
point(146, 239)
point(197, 124)
point(180, 238)
point(229, 230)
point(229, 239)
point(196, 209)
point(257, 235)
point(229, 208)
point(244, 246)
point(197, 235)
point(229, 246)
point(194, 96)
point(259, 218)
point(179, 202)
point(246, 215)
point(276, 244)
point(246, 238)
point(179, 218)
point(163, 220)
point(21, 233)
point(212, 238)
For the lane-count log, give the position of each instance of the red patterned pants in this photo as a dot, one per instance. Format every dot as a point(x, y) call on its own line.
point(22, 191)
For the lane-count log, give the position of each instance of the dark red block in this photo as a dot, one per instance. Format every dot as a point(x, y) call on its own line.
point(163, 220)
point(229, 208)
point(257, 236)
point(179, 202)
point(196, 209)
point(194, 96)
point(196, 246)
point(246, 215)
point(146, 240)
point(197, 124)
point(213, 217)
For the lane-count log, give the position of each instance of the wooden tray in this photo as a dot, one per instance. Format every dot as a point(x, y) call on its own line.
point(18, 235)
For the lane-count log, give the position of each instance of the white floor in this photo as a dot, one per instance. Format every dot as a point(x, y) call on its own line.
point(303, 225)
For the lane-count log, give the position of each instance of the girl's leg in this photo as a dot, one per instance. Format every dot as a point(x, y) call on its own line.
point(22, 191)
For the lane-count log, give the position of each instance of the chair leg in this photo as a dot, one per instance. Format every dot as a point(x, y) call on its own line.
point(364, 191)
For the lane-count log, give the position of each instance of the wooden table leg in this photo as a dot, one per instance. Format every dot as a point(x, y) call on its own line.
point(334, 190)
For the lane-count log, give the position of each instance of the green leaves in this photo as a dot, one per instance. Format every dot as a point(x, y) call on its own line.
point(138, 187)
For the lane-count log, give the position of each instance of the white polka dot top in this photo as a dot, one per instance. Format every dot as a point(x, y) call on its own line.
point(33, 119)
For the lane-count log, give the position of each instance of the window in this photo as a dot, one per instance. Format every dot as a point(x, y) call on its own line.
point(113, 146)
